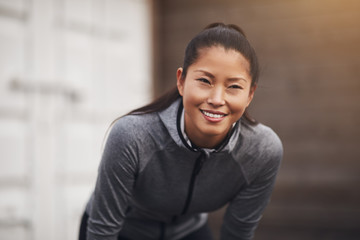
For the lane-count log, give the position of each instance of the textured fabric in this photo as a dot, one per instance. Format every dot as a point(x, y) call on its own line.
point(204, 233)
point(152, 185)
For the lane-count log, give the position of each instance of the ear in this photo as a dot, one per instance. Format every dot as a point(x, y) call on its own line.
point(251, 94)
point(180, 81)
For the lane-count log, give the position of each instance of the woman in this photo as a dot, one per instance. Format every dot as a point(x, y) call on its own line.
point(190, 152)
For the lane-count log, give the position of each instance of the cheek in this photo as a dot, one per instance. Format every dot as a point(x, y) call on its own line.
point(191, 97)
point(238, 112)
point(190, 102)
point(238, 105)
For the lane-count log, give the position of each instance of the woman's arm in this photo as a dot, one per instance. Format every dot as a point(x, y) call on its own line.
point(116, 177)
point(245, 210)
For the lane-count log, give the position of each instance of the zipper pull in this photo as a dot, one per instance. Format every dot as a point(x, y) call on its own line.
point(200, 161)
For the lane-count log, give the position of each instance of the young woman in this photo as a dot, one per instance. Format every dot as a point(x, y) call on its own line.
point(190, 152)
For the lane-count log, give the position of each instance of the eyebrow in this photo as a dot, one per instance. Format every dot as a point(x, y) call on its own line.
point(206, 73)
point(232, 79)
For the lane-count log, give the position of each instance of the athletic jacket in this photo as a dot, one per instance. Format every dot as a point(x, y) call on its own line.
point(152, 185)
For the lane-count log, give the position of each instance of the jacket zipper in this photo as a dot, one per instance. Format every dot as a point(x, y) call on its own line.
point(197, 167)
point(162, 231)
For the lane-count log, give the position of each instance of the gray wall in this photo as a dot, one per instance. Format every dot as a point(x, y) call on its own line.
point(68, 68)
point(309, 92)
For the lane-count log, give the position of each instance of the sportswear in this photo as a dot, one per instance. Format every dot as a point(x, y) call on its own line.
point(153, 185)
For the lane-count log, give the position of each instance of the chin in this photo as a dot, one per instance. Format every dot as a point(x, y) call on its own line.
point(214, 132)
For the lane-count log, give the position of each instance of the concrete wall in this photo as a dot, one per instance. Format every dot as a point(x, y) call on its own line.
point(309, 92)
point(67, 69)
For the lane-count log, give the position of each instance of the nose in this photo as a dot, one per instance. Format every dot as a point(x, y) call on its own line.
point(216, 97)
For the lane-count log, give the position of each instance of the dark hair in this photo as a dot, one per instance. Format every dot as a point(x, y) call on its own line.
point(216, 34)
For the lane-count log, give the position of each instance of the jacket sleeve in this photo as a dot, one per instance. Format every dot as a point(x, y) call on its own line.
point(245, 210)
point(113, 190)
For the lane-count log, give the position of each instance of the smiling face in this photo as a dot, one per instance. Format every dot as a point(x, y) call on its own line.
point(216, 91)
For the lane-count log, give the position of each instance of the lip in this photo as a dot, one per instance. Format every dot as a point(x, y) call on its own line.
point(213, 116)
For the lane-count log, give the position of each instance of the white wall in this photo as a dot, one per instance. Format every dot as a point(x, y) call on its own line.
point(67, 69)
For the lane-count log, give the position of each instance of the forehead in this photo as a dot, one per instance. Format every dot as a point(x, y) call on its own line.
point(218, 55)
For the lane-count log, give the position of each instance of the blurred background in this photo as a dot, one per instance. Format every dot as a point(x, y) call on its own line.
point(69, 67)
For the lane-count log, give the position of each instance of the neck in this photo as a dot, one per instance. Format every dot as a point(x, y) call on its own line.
point(211, 142)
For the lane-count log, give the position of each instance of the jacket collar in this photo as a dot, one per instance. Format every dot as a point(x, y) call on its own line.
point(171, 117)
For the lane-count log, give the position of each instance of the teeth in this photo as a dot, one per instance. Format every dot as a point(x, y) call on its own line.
point(213, 115)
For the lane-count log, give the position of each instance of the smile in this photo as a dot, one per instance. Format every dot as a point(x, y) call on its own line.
point(213, 115)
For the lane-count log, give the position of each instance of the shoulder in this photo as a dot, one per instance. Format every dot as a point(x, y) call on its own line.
point(135, 122)
point(134, 128)
point(261, 138)
point(259, 148)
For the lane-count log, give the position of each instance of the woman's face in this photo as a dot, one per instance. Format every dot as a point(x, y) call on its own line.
point(216, 91)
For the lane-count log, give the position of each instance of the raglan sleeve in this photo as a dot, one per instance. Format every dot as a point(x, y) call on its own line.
point(245, 210)
point(115, 181)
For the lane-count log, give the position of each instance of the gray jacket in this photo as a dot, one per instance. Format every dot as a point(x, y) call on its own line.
point(152, 185)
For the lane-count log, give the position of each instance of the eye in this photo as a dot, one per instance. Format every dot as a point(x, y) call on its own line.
point(204, 80)
point(236, 87)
